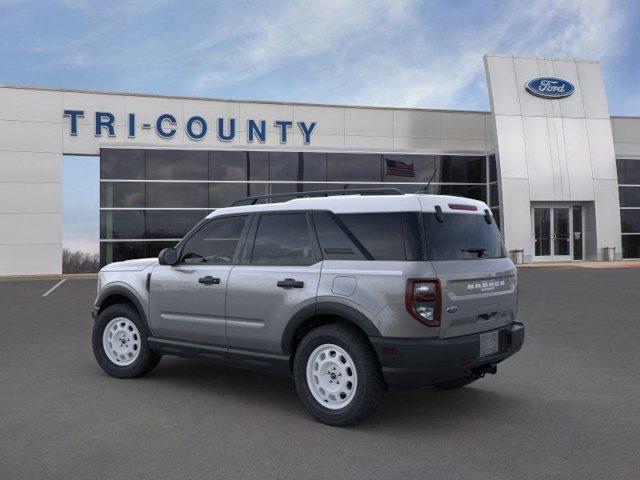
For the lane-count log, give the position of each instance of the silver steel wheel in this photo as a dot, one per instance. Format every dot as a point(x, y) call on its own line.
point(121, 341)
point(332, 376)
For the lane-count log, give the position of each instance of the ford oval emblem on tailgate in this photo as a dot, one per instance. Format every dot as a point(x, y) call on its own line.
point(452, 309)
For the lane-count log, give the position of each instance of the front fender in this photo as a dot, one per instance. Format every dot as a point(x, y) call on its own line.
point(125, 290)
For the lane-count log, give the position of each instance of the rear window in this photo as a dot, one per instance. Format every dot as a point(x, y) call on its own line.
point(462, 236)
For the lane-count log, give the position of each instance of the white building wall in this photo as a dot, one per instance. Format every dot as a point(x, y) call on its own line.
point(558, 150)
point(30, 182)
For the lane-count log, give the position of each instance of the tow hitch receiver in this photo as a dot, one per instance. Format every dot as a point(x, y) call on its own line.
point(485, 369)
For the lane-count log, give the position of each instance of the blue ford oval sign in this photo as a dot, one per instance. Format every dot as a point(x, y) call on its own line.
point(550, 87)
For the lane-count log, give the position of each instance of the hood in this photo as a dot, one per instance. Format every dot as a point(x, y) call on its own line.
point(130, 265)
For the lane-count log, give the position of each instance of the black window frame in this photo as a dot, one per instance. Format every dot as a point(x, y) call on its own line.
point(239, 247)
point(249, 244)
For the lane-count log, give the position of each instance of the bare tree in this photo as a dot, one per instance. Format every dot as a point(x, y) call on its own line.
point(80, 262)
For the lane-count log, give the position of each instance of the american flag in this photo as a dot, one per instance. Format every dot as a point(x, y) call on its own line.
point(396, 168)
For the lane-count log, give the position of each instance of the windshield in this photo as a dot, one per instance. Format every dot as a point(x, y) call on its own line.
point(462, 236)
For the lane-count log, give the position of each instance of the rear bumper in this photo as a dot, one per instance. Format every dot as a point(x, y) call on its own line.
point(412, 363)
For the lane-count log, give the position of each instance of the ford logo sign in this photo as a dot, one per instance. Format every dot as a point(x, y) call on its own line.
point(549, 87)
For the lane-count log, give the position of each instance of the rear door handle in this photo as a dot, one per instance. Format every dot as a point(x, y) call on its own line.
point(290, 283)
point(209, 280)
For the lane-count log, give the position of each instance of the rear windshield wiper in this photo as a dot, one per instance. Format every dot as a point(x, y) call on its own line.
point(477, 250)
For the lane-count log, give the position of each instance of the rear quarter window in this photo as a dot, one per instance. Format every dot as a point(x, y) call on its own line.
point(462, 236)
point(369, 236)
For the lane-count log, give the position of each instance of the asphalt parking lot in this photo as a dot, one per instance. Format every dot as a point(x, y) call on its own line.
point(565, 407)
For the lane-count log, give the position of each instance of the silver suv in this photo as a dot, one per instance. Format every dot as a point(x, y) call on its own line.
point(350, 294)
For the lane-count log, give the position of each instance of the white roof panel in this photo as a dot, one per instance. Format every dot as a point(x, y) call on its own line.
point(362, 204)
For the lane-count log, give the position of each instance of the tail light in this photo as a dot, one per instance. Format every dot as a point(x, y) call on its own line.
point(422, 299)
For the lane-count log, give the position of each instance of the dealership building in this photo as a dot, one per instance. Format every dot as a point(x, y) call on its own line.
point(561, 176)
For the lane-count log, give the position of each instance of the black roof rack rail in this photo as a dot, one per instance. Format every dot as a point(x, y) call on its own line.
point(315, 193)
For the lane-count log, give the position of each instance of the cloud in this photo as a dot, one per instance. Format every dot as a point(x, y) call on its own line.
point(571, 29)
point(381, 56)
point(391, 53)
point(318, 31)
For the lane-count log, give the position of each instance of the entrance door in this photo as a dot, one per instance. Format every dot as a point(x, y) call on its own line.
point(542, 233)
point(561, 250)
point(557, 233)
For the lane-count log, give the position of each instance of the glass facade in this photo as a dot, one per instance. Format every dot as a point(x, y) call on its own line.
point(150, 198)
point(629, 191)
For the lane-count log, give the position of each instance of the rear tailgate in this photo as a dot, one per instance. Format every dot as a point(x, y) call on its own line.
point(477, 295)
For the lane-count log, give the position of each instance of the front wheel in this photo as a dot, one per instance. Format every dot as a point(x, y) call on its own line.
point(337, 375)
point(120, 343)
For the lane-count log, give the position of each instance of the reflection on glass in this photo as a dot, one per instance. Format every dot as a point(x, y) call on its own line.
point(177, 165)
point(461, 169)
point(171, 223)
point(631, 246)
point(630, 221)
point(258, 166)
point(629, 196)
point(125, 164)
point(283, 239)
point(628, 171)
point(577, 232)
point(224, 194)
point(542, 229)
point(408, 173)
point(408, 168)
point(561, 237)
point(356, 167)
point(496, 217)
point(121, 224)
point(493, 168)
point(315, 167)
point(215, 242)
point(177, 195)
point(129, 195)
point(228, 165)
point(119, 251)
point(380, 233)
point(477, 192)
point(285, 166)
point(493, 195)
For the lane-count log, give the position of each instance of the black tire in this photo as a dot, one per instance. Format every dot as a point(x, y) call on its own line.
point(371, 388)
point(146, 360)
point(456, 383)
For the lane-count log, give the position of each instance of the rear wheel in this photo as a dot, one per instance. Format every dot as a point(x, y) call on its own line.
point(120, 342)
point(456, 383)
point(337, 375)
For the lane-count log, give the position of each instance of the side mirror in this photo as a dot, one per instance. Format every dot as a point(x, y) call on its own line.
point(168, 256)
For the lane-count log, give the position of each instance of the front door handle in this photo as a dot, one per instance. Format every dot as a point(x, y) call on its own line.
point(290, 283)
point(209, 280)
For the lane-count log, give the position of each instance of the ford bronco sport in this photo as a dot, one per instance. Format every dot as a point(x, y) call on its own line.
point(350, 294)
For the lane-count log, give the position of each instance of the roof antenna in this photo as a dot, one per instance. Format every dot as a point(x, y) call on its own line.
point(425, 189)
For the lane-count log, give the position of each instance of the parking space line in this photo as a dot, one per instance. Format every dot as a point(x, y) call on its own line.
point(54, 287)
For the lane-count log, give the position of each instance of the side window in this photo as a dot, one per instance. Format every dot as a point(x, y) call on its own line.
point(216, 242)
point(283, 239)
point(380, 233)
point(334, 241)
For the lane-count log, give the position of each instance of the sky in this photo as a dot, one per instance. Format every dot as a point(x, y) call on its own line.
point(398, 53)
point(80, 202)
